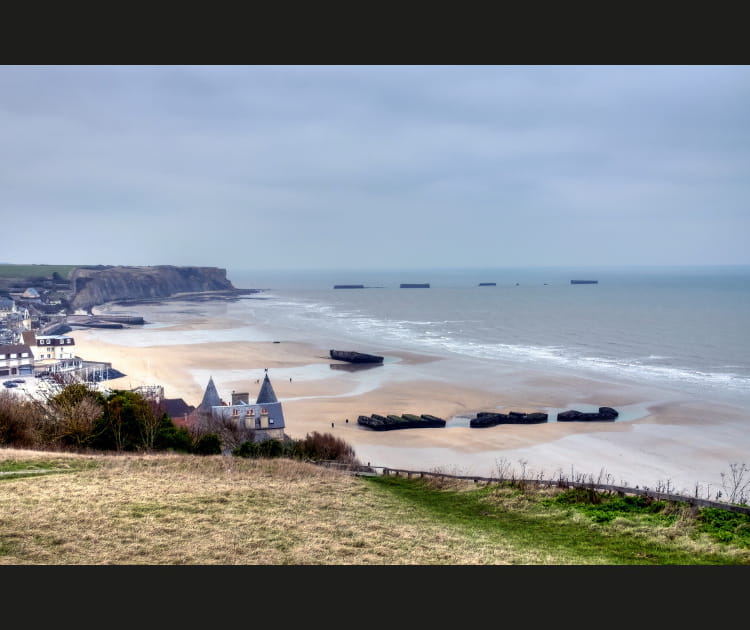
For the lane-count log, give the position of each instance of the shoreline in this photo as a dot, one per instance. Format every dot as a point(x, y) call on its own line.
point(670, 439)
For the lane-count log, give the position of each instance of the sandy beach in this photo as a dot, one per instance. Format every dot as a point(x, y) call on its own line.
point(658, 440)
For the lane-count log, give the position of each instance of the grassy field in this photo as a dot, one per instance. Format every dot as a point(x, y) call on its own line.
point(35, 271)
point(64, 509)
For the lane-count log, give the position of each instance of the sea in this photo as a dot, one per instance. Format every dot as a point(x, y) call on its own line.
point(685, 329)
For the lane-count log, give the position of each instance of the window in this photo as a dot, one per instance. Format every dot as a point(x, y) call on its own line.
point(13, 355)
point(270, 421)
point(235, 412)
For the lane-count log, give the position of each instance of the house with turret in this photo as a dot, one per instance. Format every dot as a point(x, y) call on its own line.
point(264, 416)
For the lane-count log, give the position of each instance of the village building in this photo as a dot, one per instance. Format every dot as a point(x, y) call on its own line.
point(175, 408)
point(16, 360)
point(264, 417)
point(52, 353)
point(14, 319)
point(7, 306)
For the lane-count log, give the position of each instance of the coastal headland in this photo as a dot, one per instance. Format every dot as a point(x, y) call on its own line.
point(659, 439)
point(92, 286)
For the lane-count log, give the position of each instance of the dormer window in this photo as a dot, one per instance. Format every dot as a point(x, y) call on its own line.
point(235, 412)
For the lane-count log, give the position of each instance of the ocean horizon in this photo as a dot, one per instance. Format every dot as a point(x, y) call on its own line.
point(680, 328)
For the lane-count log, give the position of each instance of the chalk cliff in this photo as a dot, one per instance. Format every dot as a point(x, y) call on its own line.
point(91, 286)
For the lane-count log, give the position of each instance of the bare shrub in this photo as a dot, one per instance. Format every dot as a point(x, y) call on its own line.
point(150, 421)
point(67, 409)
point(665, 487)
point(73, 422)
point(448, 477)
point(19, 421)
point(503, 469)
point(231, 434)
point(522, 475)
point(736, 483)
point(327, 447)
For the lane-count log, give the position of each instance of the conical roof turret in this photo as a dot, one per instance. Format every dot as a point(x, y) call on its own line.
point(210, 397)
point(266, 394)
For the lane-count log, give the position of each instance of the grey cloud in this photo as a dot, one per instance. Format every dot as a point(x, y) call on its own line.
point(428, 159)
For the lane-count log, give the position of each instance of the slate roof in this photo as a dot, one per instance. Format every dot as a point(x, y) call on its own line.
point(15, 348)
point(176, 407)
point(210, 397)
point(266, 394)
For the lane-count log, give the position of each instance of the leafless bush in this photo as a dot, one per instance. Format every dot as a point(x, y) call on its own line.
point(230, 433)
point(326, 446)
point(503, 469)
point(577, 477)
point(20, 421)
point(73, 422)
point(665, 487)
point(736, 483)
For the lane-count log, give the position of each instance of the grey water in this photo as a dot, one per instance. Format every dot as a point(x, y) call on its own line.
point(687, 328)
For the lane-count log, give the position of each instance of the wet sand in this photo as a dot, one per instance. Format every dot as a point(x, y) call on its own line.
point(659, 438)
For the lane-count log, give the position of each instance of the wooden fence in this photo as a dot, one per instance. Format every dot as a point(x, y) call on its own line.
point(559, 483)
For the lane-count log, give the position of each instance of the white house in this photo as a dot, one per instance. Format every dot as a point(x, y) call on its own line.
point(52, 353)
point(16, 359)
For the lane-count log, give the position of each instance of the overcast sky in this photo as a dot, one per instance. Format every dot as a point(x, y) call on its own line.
point(250, 167)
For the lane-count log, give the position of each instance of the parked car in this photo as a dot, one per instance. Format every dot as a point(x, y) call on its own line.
point(19, 380)
point(10, 384)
